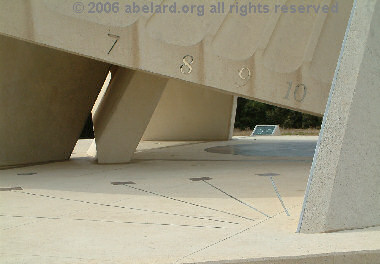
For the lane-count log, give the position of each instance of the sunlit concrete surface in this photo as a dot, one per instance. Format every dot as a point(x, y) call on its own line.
point(190, 112)
point(344, 183)
point(186, 205)
point(124, 113)
point(282, 59)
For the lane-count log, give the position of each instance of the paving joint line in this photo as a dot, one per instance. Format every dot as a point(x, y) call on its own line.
point(33, 222)
point(132, 208)
point(61, 257)
point(112, 221)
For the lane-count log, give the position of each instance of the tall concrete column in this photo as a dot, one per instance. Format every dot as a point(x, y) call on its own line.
point(124, 113)
point(45, 98)
point(191, 112)
point(344, 186)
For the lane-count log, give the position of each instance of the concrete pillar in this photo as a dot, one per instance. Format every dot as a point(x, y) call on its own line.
point(124, 113)
point(45, 98)
point(344, 186)
point(186, 112)
point(191, 112)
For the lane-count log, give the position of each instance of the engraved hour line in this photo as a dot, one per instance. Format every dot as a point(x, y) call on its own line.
point(116, 37)
point(187, 64)
point(296, 90)
point(236, 199)
point(278, 195)
point(188, 203)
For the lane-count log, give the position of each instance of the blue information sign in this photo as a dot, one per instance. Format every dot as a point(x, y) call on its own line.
point(264, 130)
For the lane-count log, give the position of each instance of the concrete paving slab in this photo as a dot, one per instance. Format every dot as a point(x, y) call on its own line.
point(186, 205)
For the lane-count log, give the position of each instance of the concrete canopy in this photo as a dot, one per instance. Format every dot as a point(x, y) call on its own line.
point(286, 59)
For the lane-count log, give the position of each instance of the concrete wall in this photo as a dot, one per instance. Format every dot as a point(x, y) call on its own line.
point(185, 112)
point(344, 185)
point(45, 98)
point(188, 112)
point(192, 112)
point(283, 59)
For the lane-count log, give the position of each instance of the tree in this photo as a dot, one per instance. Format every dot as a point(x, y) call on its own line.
point(251, 113)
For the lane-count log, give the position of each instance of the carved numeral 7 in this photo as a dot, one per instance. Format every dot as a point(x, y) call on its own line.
point(116, 37)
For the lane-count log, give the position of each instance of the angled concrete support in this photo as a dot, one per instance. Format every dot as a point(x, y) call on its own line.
point(124, 113)
point(45, 98)
point(186, 112)
point(191, 112)
point(344, 185)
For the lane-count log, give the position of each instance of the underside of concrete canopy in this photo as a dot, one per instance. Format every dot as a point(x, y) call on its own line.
point(286, 59)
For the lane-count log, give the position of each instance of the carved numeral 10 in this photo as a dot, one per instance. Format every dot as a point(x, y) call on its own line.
point(300, 92)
